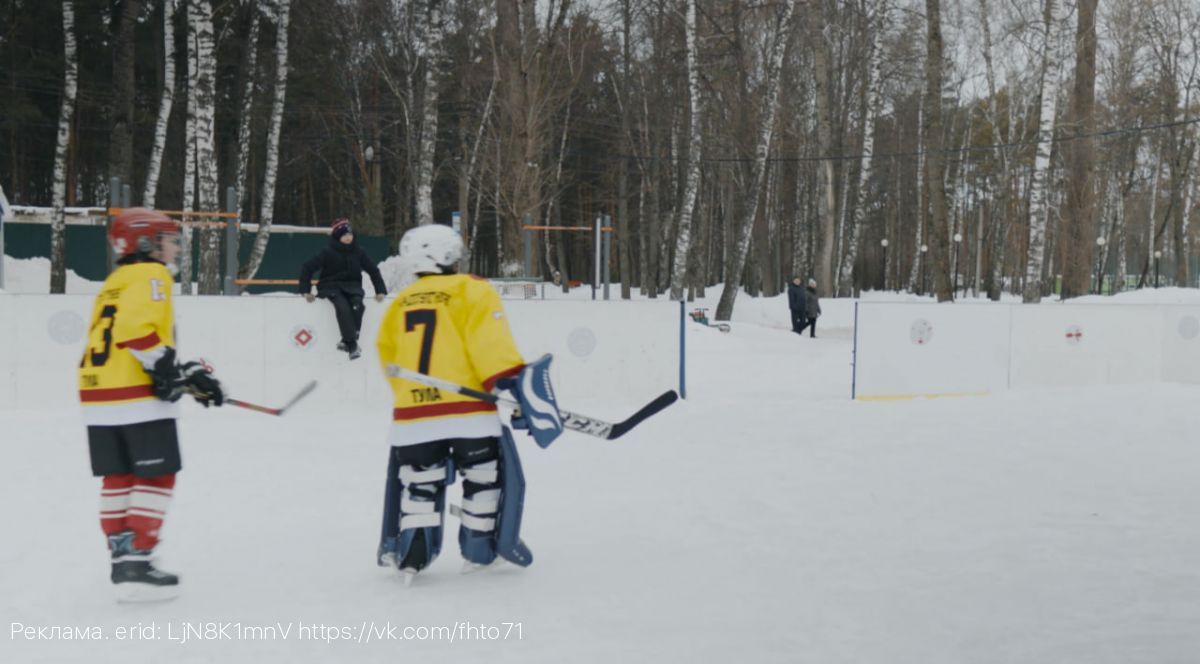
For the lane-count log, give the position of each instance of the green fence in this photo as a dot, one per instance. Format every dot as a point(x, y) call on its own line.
point(87, 247)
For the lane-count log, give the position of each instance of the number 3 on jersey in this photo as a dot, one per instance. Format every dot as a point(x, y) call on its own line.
point(108, 318)
point(428, 319)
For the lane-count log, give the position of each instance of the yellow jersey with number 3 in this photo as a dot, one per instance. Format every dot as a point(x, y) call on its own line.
point(451, 327)
point(132, 312)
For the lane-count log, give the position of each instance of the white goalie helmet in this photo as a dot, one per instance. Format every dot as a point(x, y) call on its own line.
point(432, 248)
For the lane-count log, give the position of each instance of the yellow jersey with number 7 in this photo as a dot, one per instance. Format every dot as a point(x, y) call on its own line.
point(132, 312)
point(451, 327)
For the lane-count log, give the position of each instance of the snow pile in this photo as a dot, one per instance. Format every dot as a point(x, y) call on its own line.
point(32, 275)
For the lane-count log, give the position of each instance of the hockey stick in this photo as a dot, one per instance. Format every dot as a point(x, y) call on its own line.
point(304, 391)
point(574, 421)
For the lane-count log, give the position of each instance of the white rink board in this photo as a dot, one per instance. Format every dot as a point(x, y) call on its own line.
point(930, 349)
point(1181, 344)
point(979, 348)
point(608, 350)
point(1113, 344)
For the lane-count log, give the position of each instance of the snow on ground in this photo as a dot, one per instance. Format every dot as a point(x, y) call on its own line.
point(767, 518)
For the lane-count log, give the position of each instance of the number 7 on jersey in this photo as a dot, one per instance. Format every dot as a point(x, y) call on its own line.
point(427, 318)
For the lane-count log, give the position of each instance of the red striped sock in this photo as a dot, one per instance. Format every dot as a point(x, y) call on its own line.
point(148, 501)
point(114, 503)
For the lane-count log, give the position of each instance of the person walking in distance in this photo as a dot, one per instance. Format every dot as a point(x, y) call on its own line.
point(795, 293)
point(812, 309)
point(129, 382)
point(340, 266)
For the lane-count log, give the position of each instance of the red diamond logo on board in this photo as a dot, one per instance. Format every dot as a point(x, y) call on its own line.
point(302, 337)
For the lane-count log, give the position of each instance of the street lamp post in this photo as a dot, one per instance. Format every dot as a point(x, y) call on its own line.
point(374, 192)
point(1100, 265)
point(958, 238)
point(1157, 255)
point(884, 243)
point(924, 265)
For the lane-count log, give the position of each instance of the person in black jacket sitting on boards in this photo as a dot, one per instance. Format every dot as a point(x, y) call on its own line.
point(341, 265)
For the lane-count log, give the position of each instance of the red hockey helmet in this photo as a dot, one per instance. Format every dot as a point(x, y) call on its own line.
point(138, 230)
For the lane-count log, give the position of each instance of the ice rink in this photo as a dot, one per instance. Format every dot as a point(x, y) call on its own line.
point(767, 518)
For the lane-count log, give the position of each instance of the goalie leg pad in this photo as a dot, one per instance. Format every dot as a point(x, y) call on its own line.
point(512, 504)
point(414, 502)
point(386, 555)
point(480, 466)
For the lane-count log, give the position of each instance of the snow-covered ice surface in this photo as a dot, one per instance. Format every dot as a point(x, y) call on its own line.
point(767, 518)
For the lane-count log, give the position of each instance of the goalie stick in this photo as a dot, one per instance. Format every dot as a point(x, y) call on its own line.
point(304, 391)
point(574, 421)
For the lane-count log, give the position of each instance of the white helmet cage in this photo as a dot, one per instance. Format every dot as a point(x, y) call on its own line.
point(432, 248)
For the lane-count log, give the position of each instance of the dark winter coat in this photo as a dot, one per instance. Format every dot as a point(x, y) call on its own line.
point(796, 297)
point(340, 267)
point(813, 305)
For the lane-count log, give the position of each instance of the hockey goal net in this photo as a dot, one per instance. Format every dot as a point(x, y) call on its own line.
point(519, 289)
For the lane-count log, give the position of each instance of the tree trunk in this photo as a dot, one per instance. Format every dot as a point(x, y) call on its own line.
point(765, 132)
point(1039, 206)
point(120, 143)
point(189, 168)
point(250, 72)
point(58, 221)
point(428, 44)
point(164, 105)
point(200, 13)
point(934, 169)
point(920, 265)
point(826, 193)
point(1078, 224)
point(873, 91)
point(267, 213)
point(687, 206)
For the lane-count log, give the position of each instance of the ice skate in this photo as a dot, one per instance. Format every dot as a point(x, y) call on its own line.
point(408, 574)
point(469, 567)
point(141, 581)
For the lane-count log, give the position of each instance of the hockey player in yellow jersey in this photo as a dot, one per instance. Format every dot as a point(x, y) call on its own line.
point(453, 327)
point(129, 382)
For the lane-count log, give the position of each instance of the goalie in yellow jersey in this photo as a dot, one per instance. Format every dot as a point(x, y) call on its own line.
point(129, 382)
point(453, 327)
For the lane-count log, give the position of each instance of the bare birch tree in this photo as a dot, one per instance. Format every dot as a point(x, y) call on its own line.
point(58, 222)
point(200, 13)
point(683, 238)
point(1039, 195)
point(164, 105)
point(267, 212)
point(873, 89)
point(189, 159)
point(428, 43)
point(766, 128)
point(249, 66)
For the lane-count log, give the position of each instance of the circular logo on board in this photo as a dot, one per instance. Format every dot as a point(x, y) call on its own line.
point(921, 332)
point(1074, 334)
point(302, 337)
point(66, 327)
point(581, 341)
point(1189, 327)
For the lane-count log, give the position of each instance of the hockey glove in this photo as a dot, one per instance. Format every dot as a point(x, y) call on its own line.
point(539, 408)
point(168, 381)
point(201, 384)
